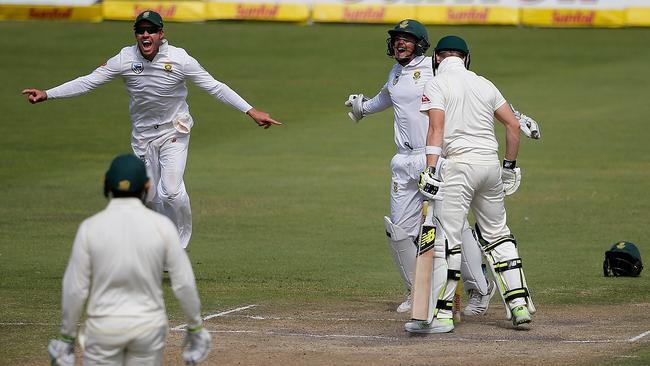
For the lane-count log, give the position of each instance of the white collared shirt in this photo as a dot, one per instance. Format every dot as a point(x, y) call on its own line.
point(157, 88)
point(469, 102)
point(117, 264)
point(403, 91)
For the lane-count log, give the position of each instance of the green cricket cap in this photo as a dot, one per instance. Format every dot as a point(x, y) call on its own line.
point(150, 16)
point(627, 248)
point(126, 174)
point(412, 27)
point(452, 43)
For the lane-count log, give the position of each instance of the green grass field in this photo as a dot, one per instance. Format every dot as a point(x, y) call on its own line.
point(294, 214)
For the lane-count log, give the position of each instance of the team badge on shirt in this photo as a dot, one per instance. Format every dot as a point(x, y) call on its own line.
point(137, 67)
point(396, 79)
point(417, 75)
point(168, 67)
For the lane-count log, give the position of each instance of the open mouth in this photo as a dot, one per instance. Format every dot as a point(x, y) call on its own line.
point(146, 44)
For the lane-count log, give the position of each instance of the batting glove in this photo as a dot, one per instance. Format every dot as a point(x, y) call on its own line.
point(527, 125)
point(430, 184)
point(356, 102)
point(511, 177)
point(61, 351)
point(200, 345)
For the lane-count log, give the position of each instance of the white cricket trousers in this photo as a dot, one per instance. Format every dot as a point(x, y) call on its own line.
point(128, 341)
point(165, 159)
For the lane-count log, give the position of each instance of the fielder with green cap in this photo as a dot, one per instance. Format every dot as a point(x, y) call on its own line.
point(461, 107)
point(155, 75)
point(407, 44)
point(116, 270)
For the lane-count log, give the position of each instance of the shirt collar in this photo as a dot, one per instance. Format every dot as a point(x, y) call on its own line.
point(415, 62)
point(450, 63)
point(124, 202)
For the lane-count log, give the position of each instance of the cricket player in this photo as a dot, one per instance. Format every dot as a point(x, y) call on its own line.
point(155, 75)
point(117, 265)
point(461, 107)
point(407, 43)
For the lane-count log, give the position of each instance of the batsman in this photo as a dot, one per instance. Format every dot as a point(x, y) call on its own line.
point(461, 108)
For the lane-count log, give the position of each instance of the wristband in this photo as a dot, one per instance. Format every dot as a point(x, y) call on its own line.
point(509, 164)
point(433, 150)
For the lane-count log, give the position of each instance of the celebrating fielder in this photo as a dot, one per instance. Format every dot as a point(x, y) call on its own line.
point(117, 265)
point(461, 107)
point(407, 43)
point(154, 73)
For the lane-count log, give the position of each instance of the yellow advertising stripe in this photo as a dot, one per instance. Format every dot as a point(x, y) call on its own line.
point(92, 13)
point(177, 11)
point(258, 11)
point(361, 13)
point(637, 17)
point(431, 14)
point(573, 17)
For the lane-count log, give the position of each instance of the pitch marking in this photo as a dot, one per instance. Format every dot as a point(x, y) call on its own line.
point(182, 326)
point(634, 339)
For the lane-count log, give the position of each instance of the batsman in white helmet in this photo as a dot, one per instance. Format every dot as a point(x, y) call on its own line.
point(407, 43)
point(155, 75)
point(116, 271)
point(461, 107)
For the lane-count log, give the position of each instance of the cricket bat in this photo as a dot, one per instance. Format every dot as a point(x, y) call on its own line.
point(424, 265)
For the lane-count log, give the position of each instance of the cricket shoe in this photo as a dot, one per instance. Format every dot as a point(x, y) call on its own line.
point(424, 327)
point(477, 303)
point(405, 307)
point(521, 317)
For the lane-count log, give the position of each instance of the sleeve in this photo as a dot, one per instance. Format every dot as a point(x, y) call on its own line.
point(182, 276)
point(379, 102)
point(498, 99)
point(201, 78)
point(432, 97)
point(76, 283)
point(92, 81)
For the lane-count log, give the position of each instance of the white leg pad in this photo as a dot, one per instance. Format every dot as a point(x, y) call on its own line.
point(472, 261)
point(403, 249)
point(505, 264)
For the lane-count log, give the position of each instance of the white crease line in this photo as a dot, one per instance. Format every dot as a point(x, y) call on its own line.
point(22, 323)
point(258, 317)
point(348, 336)
point(634, 339)
point(182, 326)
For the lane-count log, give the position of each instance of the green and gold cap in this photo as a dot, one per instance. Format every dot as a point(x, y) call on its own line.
point(150, 16)
point(127, 174)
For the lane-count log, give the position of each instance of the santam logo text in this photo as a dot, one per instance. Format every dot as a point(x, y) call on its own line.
point(574, 17)
point(164, 11)
point(56, 13)
point(367, 13)
point(257, 11)
point(473, 15)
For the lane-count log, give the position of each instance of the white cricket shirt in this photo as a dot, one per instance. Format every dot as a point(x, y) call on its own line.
point(157, 88)
point(469, 102)
point(117, 264)
point(403, 91)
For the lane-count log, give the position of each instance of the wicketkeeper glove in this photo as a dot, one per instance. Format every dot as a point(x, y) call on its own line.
point(61, 351)
point(356, 102)
point(200, 345)
point(430, 184)
point(511, 176)
point(527, 125)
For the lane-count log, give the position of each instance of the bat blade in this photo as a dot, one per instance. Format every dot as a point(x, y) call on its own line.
point(424, 265)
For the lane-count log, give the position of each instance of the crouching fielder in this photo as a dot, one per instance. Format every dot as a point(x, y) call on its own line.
point(461, 107)
point(117, 265)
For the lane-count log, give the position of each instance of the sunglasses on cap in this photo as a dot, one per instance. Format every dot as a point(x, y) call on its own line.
point(149, 29)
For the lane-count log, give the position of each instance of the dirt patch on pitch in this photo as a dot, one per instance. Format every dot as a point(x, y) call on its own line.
point(371, 333)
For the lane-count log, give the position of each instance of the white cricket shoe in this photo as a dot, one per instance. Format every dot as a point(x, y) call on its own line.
point(405, 307)
point(424, 327)
point(477, 303)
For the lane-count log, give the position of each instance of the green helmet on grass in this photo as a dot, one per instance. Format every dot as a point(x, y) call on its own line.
point(623, 259)
point(414, 28)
